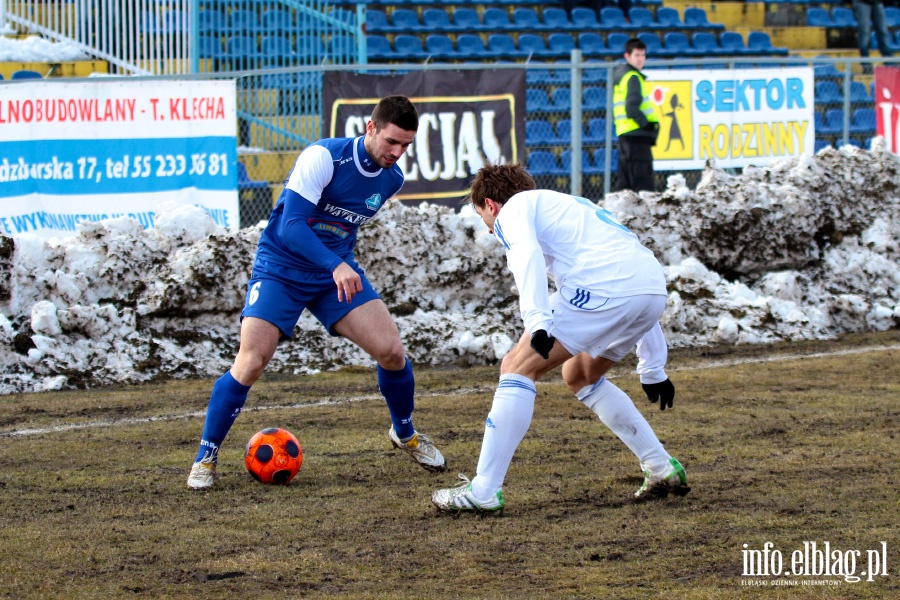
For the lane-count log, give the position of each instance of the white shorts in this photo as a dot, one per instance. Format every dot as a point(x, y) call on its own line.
point(610, 327)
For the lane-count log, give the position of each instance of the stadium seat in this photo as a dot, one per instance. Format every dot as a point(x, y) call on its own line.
point(536, 100)
point(564, 132)
point(277, 21)
point(705, 44)
point(377, 21)
point(539, 76)
point(678, 44)
point(440, 46)
point(596, 131)
point(436, 20)
point(467, 19)
point(642, 17)
point(732, 43)
point(276, 50)
point(26, 74)
point(556, 19)
point(611, 17)
point(533, 45)
point(561, 100)
point(565, 162)
point(863, 121)
point(241, 50)
point(503, 45)
point(616, 43)
point(859, 92)
point(818, 17)
point(592, 44)
point(497, 19)
point(210, 47)
point(243, 22)
point(471, 46)
point(892, 16)
point(843, 17)
point(560, 44)
point(759, 42)
point(405, 19)
point(543, 162)
point(594, 72)
point(378, 47)
point(594, 98)
point(669, 18)
point(527, 19)
point(539, 132)
point(696, 17)
point(584, 18)
point(654, 45)
point(833, 122)
point(211, 22)
point(310, 48)
point(342, 45)
point(828, 92)
point(407, 46)
point(820, 144)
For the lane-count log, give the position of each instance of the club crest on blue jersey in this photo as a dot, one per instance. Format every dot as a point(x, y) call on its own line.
point(373, 201)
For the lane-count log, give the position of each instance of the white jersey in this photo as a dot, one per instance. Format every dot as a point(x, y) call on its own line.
point(588, 253)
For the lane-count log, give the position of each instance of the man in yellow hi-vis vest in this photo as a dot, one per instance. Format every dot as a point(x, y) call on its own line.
point(636, 123)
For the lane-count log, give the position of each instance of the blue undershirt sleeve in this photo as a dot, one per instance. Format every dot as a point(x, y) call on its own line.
point(296, 234)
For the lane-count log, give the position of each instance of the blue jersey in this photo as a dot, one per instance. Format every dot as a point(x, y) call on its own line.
point(333, 188)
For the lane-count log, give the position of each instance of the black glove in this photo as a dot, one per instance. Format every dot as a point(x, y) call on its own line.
point(542, 342)
point(663, 391)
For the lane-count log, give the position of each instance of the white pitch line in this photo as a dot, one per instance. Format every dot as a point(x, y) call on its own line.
point(705, 365)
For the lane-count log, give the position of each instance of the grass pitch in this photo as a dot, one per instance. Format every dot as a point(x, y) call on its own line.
point(790, 445)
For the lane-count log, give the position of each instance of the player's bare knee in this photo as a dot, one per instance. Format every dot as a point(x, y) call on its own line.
point(392, 358)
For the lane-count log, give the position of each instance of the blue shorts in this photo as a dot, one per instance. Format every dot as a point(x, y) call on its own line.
point(278, 295)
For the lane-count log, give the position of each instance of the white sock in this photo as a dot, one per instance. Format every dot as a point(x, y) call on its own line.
point(617, 411)
point(506, 425)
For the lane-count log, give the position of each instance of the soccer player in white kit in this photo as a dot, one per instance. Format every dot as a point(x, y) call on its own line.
point(610, 293)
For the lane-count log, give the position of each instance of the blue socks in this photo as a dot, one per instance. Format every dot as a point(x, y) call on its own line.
point(225, 404)
point(399, 390)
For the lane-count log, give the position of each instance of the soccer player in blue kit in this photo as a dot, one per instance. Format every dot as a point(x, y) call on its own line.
point(305, 261)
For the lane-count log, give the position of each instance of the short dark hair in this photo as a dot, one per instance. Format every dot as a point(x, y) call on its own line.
point(397, 110)
point(499, 183)
point(635, 44)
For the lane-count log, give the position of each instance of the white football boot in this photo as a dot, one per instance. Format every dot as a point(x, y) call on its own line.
point(422, 450)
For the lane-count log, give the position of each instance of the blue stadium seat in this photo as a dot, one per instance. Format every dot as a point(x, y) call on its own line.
point(616, 43)
point(594, 98)
point(592, 44)
point(892, 16)
point(556, 19)
point(565, 162)
point(542, 76)
point(732, 43)
point(820, 144)
point(277, 21)
point(407, 46)
point(210, 47)
point(828, 92)
point(705, 44)
point(543, 162)
point(310, 48)
point(471, 46)
point(641, 17)
point(759, 42)
point(596, 131)
point(593, 72)
point(539, 132)
point(561, 100)
point(654, 45)
point(584, 18)
point(611, 17)
point(599, 158)
point(564, 131)
point(859, 92)
point(436, 20)
point(696, 17)
point(277, 50)
point(378, 47)
point(497, 19)
point(669, 18)
point(342, 45)
point(527, 19)
point(678, 44)
point(833, 122)
point(843, 17)
point(467, 19)
point(405, 19)
point(243, 22)
point(863, 121)
point(241, 50)
point(560, 44)
point(533, 45)
point(536, 100)
point(440, 46)
point(377, 21)
point(211, 22)
point(818, 17)
point(503, 45)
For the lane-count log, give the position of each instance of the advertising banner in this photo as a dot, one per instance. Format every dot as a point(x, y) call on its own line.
point(464, 118)
point(87, 151)
point(735, 117)
point(887, 106)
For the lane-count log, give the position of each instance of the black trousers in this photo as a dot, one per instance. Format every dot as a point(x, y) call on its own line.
point(636, 164)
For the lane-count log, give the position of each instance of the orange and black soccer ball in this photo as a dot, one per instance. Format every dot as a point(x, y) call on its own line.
point(273, 456)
